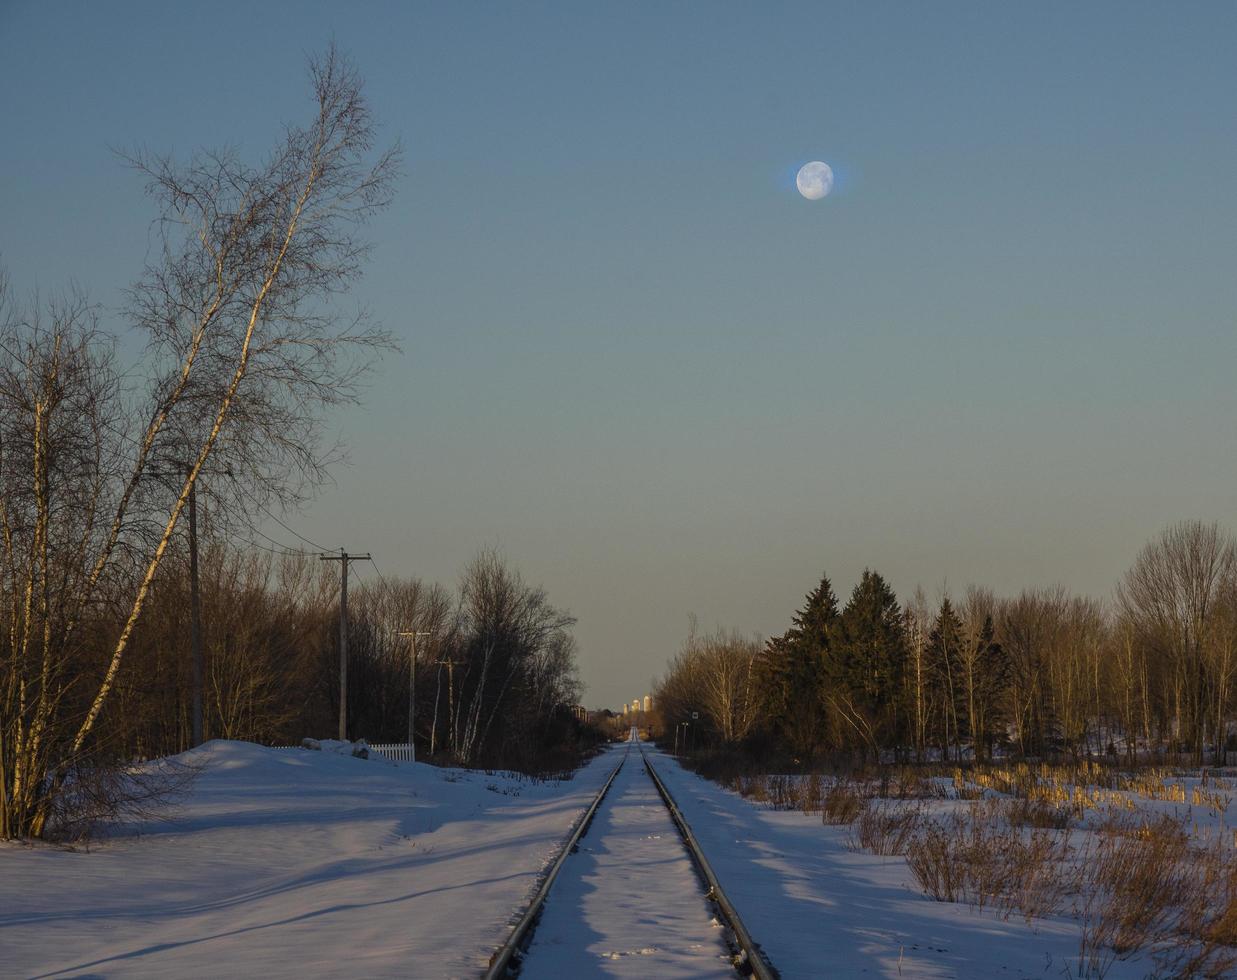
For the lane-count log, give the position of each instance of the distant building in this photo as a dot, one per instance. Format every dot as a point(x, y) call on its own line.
point(648, 702)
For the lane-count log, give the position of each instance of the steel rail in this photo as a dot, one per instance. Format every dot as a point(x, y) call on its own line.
point(753, 955)
point(508, 955)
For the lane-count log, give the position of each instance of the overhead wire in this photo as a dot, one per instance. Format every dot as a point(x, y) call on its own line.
point(378, 570)
point(295, 534)
point(280, 550)
point(279, 547)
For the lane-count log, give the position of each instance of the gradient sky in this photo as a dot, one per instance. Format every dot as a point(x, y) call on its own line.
point(637, 361)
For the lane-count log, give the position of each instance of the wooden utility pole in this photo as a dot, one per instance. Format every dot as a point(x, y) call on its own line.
point(450, 665)
point(412, 682)
point(343, 558)
point(198, 669)
point(195, 615)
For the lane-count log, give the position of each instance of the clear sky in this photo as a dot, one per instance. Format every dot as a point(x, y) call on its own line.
point(1003, 350)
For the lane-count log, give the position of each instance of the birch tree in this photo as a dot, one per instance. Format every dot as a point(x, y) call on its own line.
point(245, 352)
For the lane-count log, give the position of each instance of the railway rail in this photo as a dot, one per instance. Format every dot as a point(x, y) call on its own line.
point(746, 955)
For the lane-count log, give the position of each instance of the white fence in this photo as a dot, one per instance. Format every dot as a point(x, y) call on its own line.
point(396, 753)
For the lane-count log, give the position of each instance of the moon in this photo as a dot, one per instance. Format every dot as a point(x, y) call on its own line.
point(814, 180)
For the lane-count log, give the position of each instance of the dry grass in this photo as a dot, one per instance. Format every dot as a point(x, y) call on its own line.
point(812, 795)
point(1145, 886)
point(1037, 814)
point(905, 783)
point(886, 828)
point(842, 803)
point(976, 857)
point(839, 801)
point(1138, 885)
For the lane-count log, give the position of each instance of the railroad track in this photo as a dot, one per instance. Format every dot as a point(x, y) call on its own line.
point(746, 955)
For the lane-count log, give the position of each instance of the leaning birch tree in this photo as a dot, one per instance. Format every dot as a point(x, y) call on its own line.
point(245, 352)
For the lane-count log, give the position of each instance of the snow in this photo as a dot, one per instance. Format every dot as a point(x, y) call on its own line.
point(290, 862)
point(819, 908)
point(286, 863)
point(629, 903)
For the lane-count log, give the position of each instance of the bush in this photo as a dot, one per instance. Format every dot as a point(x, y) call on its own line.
point(1037, 814)
point(842, 803)
point(886, 829)
point(975, 857)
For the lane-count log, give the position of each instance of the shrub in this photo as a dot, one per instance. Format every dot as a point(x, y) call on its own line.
point(842, 803)
point(1037, 814)
point(975, 857)
point(886, 829)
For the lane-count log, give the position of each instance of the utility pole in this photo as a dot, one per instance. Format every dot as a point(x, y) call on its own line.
point(195, 595)
point(343, 558)
point(450, 665)
point(195, 615)
point(412, 681)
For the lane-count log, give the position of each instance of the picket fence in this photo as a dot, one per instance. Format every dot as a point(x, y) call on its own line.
point(396, 753)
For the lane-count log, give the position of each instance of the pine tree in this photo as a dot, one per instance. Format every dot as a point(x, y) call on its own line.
point(991, 688)
point(794, 671)
point(868, 680)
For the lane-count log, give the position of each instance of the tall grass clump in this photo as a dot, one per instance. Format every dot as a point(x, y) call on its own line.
point(886, 828)
point(1145, 886)
point(842, 803)
point(975, 856)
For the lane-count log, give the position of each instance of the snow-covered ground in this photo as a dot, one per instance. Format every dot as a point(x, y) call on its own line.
point(292, 863)
point(820, 908)
point(286, 863)
point(629, 902)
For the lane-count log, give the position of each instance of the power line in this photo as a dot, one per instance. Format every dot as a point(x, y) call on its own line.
point(378, 570)
point(283, 548)
point(295, 534)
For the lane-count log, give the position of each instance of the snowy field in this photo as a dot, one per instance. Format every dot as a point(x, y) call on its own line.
point(821, 908)
point(288, 863)
point(291, 863)
point(1158, 828)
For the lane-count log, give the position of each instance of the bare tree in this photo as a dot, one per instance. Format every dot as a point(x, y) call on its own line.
point(1174, 596)
point(1027, 627)
point(248, 357)
point(976, 614)
point(513, 654)
point(917, 624)
point(244, 356)
point(714, 675)
point(58, 403)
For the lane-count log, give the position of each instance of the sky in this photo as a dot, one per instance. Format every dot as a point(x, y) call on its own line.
point(637, 361)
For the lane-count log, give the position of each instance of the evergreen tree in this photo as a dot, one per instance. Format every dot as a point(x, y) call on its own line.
point(794, 671)
point(867, 681)
point(991, 687)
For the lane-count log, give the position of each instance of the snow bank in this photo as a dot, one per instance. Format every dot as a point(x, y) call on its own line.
point(287, 862)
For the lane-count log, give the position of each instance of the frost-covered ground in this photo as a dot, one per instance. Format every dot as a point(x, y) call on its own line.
point(820, 908)
point(291, 863)
point(629, 902)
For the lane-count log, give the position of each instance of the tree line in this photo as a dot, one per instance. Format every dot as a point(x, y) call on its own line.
point(495, 670)
point(246, 345)
point(1040, 674)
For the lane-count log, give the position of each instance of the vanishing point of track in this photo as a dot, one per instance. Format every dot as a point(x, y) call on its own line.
point(748, 958)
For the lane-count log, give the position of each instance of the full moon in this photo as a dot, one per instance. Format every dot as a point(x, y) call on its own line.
point(814, 180)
